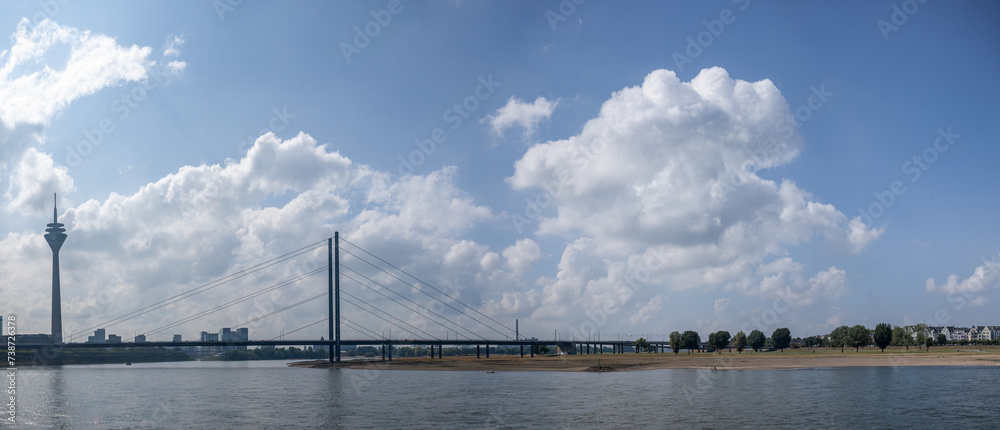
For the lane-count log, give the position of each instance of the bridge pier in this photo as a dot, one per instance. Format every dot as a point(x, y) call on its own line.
point(532, 350)
point(522, 351)
point(383, 352)
point(487, 350)
point(440, 350)
point(477, 351)
point(432, 351)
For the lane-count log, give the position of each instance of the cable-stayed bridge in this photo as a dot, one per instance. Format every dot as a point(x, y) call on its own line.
point(364, 272)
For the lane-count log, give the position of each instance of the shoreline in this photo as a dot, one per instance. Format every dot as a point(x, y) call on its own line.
point(789, 359)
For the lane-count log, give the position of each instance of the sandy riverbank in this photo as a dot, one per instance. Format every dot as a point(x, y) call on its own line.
point(789, 359)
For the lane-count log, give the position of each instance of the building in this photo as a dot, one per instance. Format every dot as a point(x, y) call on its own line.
point(177, 338)
point(140, 338)
point(55, 235)
point(114, 338)
point(98, 336)
point(227, 334)
point(209, 337)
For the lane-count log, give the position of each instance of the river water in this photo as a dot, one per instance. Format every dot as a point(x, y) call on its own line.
point(267, 394)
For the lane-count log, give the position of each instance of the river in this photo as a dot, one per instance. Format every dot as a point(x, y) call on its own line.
point(267, 394)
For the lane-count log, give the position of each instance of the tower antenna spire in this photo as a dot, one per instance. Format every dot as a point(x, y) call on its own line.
point(55, 216)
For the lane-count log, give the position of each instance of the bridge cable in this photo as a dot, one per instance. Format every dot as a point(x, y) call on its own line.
point(405, 298)
point(204, 287)
point(300, 328)
point(236, 301)
point(428, 294)
point(280, 310)
point(390, 316)
point(359, 326)
point(425, 283)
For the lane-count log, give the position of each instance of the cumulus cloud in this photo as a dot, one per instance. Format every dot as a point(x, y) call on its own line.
point(34, 180)
point(646, 311)
point(796, 291)
point(33, 89)
point(202, 222)
point(666, 177)
point(519, 113)
point(984, 278)
point(521, 255)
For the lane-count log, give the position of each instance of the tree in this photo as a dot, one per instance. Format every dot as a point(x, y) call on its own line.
point(719, 340)
point(928, 342)
point(756, 340)
point(675, 341)
point(921, 330)
point(840, 336)
point(900, 338)
point(812, 341)
point(641, 345)
point(781, 337)
point(882, 335)
point(859, 336)
point(941, 339)
point(740, 341)
point(690, 340)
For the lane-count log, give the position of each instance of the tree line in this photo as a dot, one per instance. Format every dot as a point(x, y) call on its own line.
point(857, 337)
point(690, 340)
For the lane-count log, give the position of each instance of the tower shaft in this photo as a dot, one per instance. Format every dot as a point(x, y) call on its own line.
point(55, 235)
point(56, 300)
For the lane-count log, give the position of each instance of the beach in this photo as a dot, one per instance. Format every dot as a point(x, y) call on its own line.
point(789, 359)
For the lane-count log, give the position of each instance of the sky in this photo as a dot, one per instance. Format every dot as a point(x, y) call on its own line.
point(589, 169)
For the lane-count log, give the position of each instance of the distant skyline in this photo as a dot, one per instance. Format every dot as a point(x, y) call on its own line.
point(632, 168)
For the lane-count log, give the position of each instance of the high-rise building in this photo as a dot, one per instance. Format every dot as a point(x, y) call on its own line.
point(98, 336)
point(141, 338)
point(177, 338)
point(243, 334)
point(114, 338)
point(55, 236)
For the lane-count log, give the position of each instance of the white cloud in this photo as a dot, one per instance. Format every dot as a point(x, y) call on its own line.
point(984, 278)
point(860, 235)
point(644, 313)
point(665, 179)
point(176, 67)
point(721, 304)
point(522, 255)
point(33, 88)
point(518, 113)
point(172, 48)
point(788, 285)
point(202, 222)
point(33, 182)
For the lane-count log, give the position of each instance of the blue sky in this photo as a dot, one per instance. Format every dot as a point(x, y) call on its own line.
point(180, 190)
